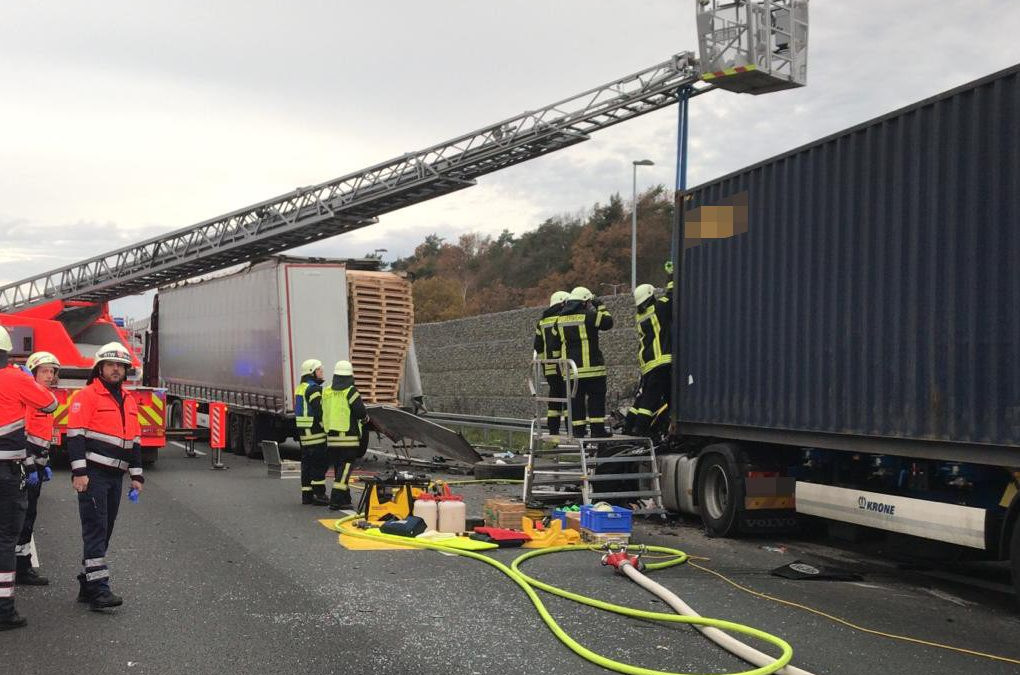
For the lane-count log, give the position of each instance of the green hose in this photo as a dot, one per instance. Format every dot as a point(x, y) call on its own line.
point(527, 583)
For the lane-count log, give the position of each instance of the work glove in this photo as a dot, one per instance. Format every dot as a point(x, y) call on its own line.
point(32, 478)
point(133, 495)
point(668, 267)
point(47, 474)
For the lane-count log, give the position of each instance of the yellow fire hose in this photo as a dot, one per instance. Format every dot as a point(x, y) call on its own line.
point(529, 584)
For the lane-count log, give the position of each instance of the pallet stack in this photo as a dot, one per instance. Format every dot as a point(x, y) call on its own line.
point(382, 317)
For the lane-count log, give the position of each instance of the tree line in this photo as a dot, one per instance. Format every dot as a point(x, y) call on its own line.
point(480, 274)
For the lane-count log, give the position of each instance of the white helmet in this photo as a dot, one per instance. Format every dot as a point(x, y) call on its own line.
point(643, 292)
point(581, 293)
point(309, 366)
point(5, 340)
point(114, 352)
point(343, 368)
point(558, 297)
point(41, 359)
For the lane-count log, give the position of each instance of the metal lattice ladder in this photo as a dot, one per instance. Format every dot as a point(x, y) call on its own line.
point(565, 468)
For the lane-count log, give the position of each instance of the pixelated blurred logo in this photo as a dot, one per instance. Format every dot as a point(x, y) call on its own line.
point(726, 219)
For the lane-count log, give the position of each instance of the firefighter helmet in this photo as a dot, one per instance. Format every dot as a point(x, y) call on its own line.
point(642, 293)
point(343, 368)
point(558, 297)
point(581, 293)
point(5, 340)
point(41, 359)
point(309, 366)
point(114, 352)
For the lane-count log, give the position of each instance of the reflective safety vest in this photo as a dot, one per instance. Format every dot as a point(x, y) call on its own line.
point(546, 342)
point(578, 331)
point(309, 423)
point(653, 325)
point(19, 393)
point(38, 436)
point(337, 405)
point(102, 432)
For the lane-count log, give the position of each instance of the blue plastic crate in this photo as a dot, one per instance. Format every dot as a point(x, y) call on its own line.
point(617, 520)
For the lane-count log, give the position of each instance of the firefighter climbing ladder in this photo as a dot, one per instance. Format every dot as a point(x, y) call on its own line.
point(755, 47)
point(566, 469)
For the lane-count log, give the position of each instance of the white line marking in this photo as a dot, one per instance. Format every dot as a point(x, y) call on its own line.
point(184, 447)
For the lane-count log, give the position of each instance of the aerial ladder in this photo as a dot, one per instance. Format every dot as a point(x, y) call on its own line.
point(755, 46)
point(747, 46)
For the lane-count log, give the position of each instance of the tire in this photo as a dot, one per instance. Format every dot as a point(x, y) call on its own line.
point(1014, 561)
point(249, 443)
point(235, 428)
point(720, 490)
point(261, 430)
point(175, 420)
point(493, 471)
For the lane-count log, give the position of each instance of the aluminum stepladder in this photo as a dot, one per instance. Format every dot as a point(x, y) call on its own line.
point(567, 470)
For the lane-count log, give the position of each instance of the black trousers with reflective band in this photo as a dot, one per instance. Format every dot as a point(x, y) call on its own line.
point(13, 504)
point(97, 508)
point(557, 389)
point(313, 466)
point(589, 404)
point(654, 393)
point(25, 538)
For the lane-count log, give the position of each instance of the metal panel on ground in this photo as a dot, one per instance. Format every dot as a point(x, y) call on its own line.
point(866, 285)
point(397, 424)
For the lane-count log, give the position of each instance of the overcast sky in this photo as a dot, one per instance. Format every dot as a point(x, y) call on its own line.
point(121, 120)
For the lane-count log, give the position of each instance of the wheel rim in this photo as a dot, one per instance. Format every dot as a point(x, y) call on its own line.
point(717, 492)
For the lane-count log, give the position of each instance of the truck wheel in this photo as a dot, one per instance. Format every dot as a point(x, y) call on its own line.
point(254, 432)
point(175, 420)
point(235, 426)
point(719, 492)
point(1014, 560)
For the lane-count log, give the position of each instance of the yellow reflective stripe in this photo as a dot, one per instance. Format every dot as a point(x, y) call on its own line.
point(157, 402)
point(304, 422)
point(314, 395)
point(343, 441)
point(354, 398)
point(652, 365)
point(155, 416)
point(592, 371)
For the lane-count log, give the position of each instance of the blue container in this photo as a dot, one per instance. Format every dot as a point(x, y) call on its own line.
point(617, 520)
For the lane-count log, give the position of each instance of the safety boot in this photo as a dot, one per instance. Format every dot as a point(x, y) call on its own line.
point(306, 497)
point(104, 599)
point(83, 593)
point(340, 499)
point(12, 621)
point(26, 574)
point(319, 495)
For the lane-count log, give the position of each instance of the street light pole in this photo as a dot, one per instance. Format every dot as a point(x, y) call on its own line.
point(633, 224)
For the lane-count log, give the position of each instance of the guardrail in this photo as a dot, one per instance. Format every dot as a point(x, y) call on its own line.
point(507, 425)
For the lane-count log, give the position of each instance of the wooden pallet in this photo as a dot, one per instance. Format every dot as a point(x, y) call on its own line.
point(382, 318)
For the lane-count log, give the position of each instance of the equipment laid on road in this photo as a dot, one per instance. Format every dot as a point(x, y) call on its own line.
point(766, 664)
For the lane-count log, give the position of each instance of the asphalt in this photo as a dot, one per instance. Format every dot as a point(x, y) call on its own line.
point(224, 571)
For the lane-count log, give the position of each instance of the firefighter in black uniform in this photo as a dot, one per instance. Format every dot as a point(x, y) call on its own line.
point(545, 338)
point(311, 436)
point(578, 326)
point(346, 423)
point(653, 321)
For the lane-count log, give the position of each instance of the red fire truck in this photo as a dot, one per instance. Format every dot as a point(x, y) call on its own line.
point(72, 331)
